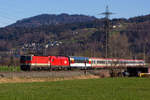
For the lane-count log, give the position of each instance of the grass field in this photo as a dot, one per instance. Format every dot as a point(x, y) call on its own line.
point(90, 89)
point(9, 69)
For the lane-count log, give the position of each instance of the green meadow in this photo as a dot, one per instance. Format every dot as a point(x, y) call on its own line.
point(89, 89)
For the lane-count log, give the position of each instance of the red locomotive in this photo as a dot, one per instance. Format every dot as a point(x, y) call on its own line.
point(36, 62)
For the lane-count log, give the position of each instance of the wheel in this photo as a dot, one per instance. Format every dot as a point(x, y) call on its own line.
point(25, 68)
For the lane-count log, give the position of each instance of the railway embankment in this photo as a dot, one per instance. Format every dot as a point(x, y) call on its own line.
point(54, 74)
point(43, 76)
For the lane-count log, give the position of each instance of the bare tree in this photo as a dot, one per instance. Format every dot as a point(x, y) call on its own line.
point(118, 46)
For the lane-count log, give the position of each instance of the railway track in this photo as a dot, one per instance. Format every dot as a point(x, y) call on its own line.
point(42, 74)
point(52, 74)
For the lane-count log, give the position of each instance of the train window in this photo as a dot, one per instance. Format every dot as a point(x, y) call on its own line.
point(26, 58)
point(115, 62)
point(100, 62)
point(109, 62)
point(121, 62)
point(131, 62)
point(79, 60)
point(124, 62)
point(141, 62)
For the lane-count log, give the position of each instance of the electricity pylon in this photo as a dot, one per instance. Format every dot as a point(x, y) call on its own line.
point(107, 14)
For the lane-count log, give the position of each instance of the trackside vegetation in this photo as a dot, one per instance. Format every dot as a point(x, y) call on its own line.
point(10, 69)
point(90, 89)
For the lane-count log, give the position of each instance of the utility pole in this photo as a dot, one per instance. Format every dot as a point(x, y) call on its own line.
point(107, 14)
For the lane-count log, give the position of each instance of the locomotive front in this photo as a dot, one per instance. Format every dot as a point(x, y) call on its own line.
point(25, 62)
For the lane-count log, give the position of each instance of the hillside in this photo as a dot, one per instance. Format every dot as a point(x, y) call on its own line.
point(51, 19)
point(76, 35)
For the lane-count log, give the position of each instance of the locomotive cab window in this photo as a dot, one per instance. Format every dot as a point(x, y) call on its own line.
point(26, 58)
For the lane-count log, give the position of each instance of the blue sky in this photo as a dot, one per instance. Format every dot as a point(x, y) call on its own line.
point(13, 10)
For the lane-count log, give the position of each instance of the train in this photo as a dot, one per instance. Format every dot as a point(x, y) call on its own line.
point(29, 62)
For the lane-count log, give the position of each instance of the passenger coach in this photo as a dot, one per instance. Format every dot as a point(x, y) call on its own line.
point(79, 62)
point(102, 62)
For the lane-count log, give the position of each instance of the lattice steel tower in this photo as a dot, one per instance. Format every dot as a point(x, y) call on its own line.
point(107, 14)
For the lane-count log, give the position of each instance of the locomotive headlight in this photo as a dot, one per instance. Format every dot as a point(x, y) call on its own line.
point(65, 62)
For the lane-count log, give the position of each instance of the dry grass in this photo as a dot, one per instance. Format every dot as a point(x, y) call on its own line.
point(30, 80)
